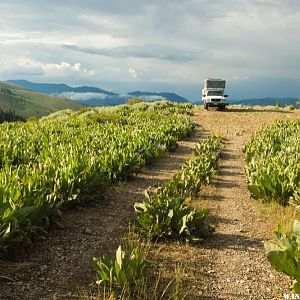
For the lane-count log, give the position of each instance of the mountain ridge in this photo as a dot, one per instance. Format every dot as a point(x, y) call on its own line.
point(49, 88)
point(94, 96)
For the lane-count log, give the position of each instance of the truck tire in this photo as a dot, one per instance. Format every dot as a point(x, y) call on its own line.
point(205, 106)
point(222, 107)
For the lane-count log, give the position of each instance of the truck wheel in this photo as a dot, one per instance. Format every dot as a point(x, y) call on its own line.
point(205, 106)
point(222, 107)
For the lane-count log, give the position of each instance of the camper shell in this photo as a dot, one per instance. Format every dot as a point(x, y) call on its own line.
point(213, 93)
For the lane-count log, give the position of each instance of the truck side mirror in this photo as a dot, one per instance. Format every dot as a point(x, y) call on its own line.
point(225, 96)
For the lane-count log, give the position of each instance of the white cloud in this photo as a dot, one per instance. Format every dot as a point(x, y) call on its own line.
point(132, 72)
point(153, 97)
point(64, 68)
point(82, 96)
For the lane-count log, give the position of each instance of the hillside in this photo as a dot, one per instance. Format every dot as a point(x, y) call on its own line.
point(93, 96)
point(57, 88)
point(27, 103)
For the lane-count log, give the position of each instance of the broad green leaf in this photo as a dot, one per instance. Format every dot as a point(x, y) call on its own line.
point(296, 227)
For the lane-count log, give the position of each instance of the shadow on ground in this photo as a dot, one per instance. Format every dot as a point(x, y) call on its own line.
point(237, 242)
point(250, 110)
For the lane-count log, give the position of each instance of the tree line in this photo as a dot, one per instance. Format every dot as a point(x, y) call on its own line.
point(10, 116)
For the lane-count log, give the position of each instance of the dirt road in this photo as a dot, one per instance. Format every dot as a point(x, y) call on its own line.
point(231, 264)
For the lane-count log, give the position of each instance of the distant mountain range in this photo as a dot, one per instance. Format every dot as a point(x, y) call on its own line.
point(93, 96)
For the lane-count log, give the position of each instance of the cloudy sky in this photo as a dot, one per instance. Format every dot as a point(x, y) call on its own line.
point(154, 45)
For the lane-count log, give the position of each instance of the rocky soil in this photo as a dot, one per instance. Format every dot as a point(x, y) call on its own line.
point(232, 263)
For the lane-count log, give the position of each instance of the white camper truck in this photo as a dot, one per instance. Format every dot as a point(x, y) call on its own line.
point(213, 93)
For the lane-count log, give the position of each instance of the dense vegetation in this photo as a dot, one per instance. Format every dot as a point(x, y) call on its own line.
point(273, 162)
point(47, 163)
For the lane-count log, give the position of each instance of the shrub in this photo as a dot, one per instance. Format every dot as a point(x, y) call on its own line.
point(124, 273)
point(289, 107)
point(165, 213)
point(170, 217)
point(135, 100)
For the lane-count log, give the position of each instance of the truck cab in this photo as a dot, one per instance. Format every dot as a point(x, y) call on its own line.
point(213, 93)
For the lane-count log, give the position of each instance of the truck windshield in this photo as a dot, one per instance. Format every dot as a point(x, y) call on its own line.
point(214, 93)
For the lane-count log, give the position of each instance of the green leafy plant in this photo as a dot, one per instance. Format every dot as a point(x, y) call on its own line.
point(285, 255)
point(50, 162)
point(170, 217)
point(124, 273)
point(197, 171)
point(165, 213)
point(272, 162)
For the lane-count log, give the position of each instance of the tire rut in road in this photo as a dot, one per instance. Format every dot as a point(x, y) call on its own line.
point(237, 265)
